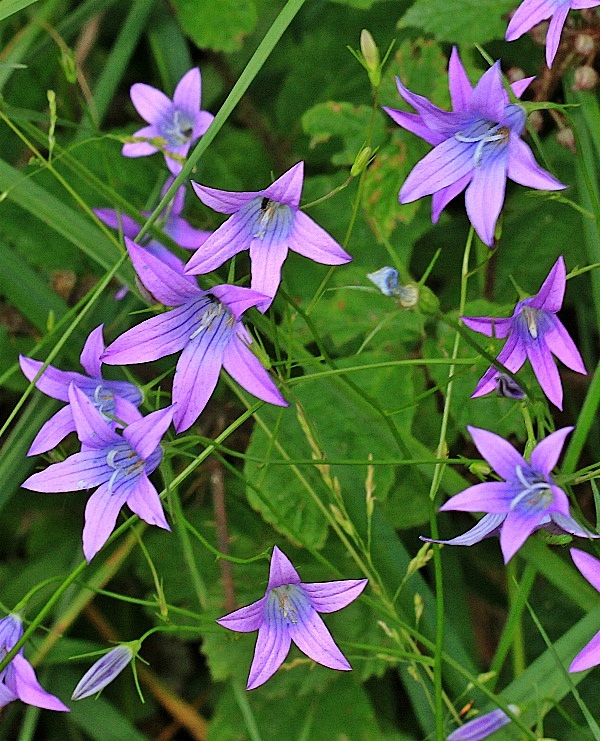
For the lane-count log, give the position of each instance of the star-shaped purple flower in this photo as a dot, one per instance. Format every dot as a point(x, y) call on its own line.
point(206, 326)
point(119, 465)
point(288, 612)
point(18, 680)
point(589, 655)
point(113, 399)
point(177, 123)
point(476, 146)
point(268, 223)
point(532, 12)
point(527, 499)
point(535, 332)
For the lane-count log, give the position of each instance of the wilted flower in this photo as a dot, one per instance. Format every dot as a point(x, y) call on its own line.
point(535, 332)
point(589, 655)
point(288, 612)
point(532, 12)
point(268, 223)
point(118, 399)
point(176, 123)
point(386, 279)
point(526, 500)
point(17, 679)
point(103, 671)
point(119, 465)
point(477, 146)
point(483, 726)
point(509, 388)
point(206, 325)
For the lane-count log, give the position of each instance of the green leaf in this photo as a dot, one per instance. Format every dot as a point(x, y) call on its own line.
point(220, 25)
point(9, 7)
point(459, 21)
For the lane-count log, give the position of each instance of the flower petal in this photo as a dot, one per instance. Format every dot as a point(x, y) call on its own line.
point(186, 97)
point(53, 382)
point(236, 298)
point(485, 194)
point(152, 104)
point(551, 294)
point(313, 638)
point(460, 85)
point(272, 646)
point(92, 350)
point(230, 238)
point(101, 513)
point(517, 527)
point(102, 673)
point(223, 201)
point(310, 240)
point(487, 526)
point(566, 524)
point(546, 453)
point(447, 163)
point(246, 619)
point(267, 259)
point(287, 188)
point(444, 123)
point(560, 344)
point(141, 148)
point(334, 595)
point(523, 169)
point(482, 726)
point(499, 453)
point(414, 123)
point(512, 355)
point(545, 370)
point(117, 220)
point(53, 431)
point(143, 499)
point(520, 86)
point(144, 435)
point(83, 470)
point(555, 28)
point(588, 565)
point(29, 690)
point(442, 198)
point(185, 235)
point(245, 368)
point(91, 428)
point(588, 657)
point(489, 326)
point(494, 497)
point(489, 96)
point(281, 571)
point(527, 15)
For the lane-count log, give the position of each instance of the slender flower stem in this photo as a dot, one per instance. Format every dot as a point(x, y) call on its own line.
point(518, 638)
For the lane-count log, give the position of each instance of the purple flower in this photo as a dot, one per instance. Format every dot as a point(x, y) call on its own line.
point(589, 655)
point(527, 499)
point(288, 612)
point(535, 332)
point(267, 222)
point(119, 465)
point(206, 326)
point(482, 726)
point(532, 12)
point(18, 680)
point(118, 399)
point(103, 671)
point(176, 123)
point(476, 146)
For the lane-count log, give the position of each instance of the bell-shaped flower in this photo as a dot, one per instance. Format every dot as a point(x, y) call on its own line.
point(119, 465)
point(206, 326)
point(483, 726)
point(527, 499)
point(589, 655)
point(535, 332)
point(17, 679)
point(532, 12)
point(477, 146)
point(267, 222)
point(102, 673)
point(115, 400)
point(289, 612)
point(173, 124)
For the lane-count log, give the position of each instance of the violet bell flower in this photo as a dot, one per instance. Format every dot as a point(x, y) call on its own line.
point(176, 123)
point(527, 499)
point(589, 655)
point(532, 12)
point(268, 223)
point(288, 612)
point(118, 399)
point(477, 146)
point(535, 332)
point(102, 673)
point(119, 465)
point(206, 326)
point(17, 679)
point(483, 726)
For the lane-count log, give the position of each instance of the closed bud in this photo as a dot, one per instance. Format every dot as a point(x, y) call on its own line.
point(361, 161)
point(483, 726)
point(104, 671)
point(370, 54)
point(480, 469)
point(586, 78)
point(584, 44)
point(509, 388)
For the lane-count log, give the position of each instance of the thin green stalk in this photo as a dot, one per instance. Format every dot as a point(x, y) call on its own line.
point(518, 637)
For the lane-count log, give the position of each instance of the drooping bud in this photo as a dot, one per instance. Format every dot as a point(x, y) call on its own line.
point(586, 78)
point(104, 671)
point(371, 58)
point(480, 469)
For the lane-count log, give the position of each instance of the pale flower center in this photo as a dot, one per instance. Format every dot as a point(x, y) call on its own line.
point(536, 493)
point(125, 462)
point(104, 401)
point(215, 312)
point(178, 129)
point(531, 319)
point(268, 219)
point(491, 133)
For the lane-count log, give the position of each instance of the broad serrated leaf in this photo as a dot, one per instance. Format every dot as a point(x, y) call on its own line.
point(459, 21)
point(221, 25)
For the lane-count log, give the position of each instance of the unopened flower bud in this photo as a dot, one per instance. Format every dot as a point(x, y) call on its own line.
point(584, 44)
point(536, 120)
point(566, 138)
point(508, 387)
point(103, 671)
point(370, 54)
point(586, 78)
point(361, 161)
point(483, 726)
point(480, 469)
